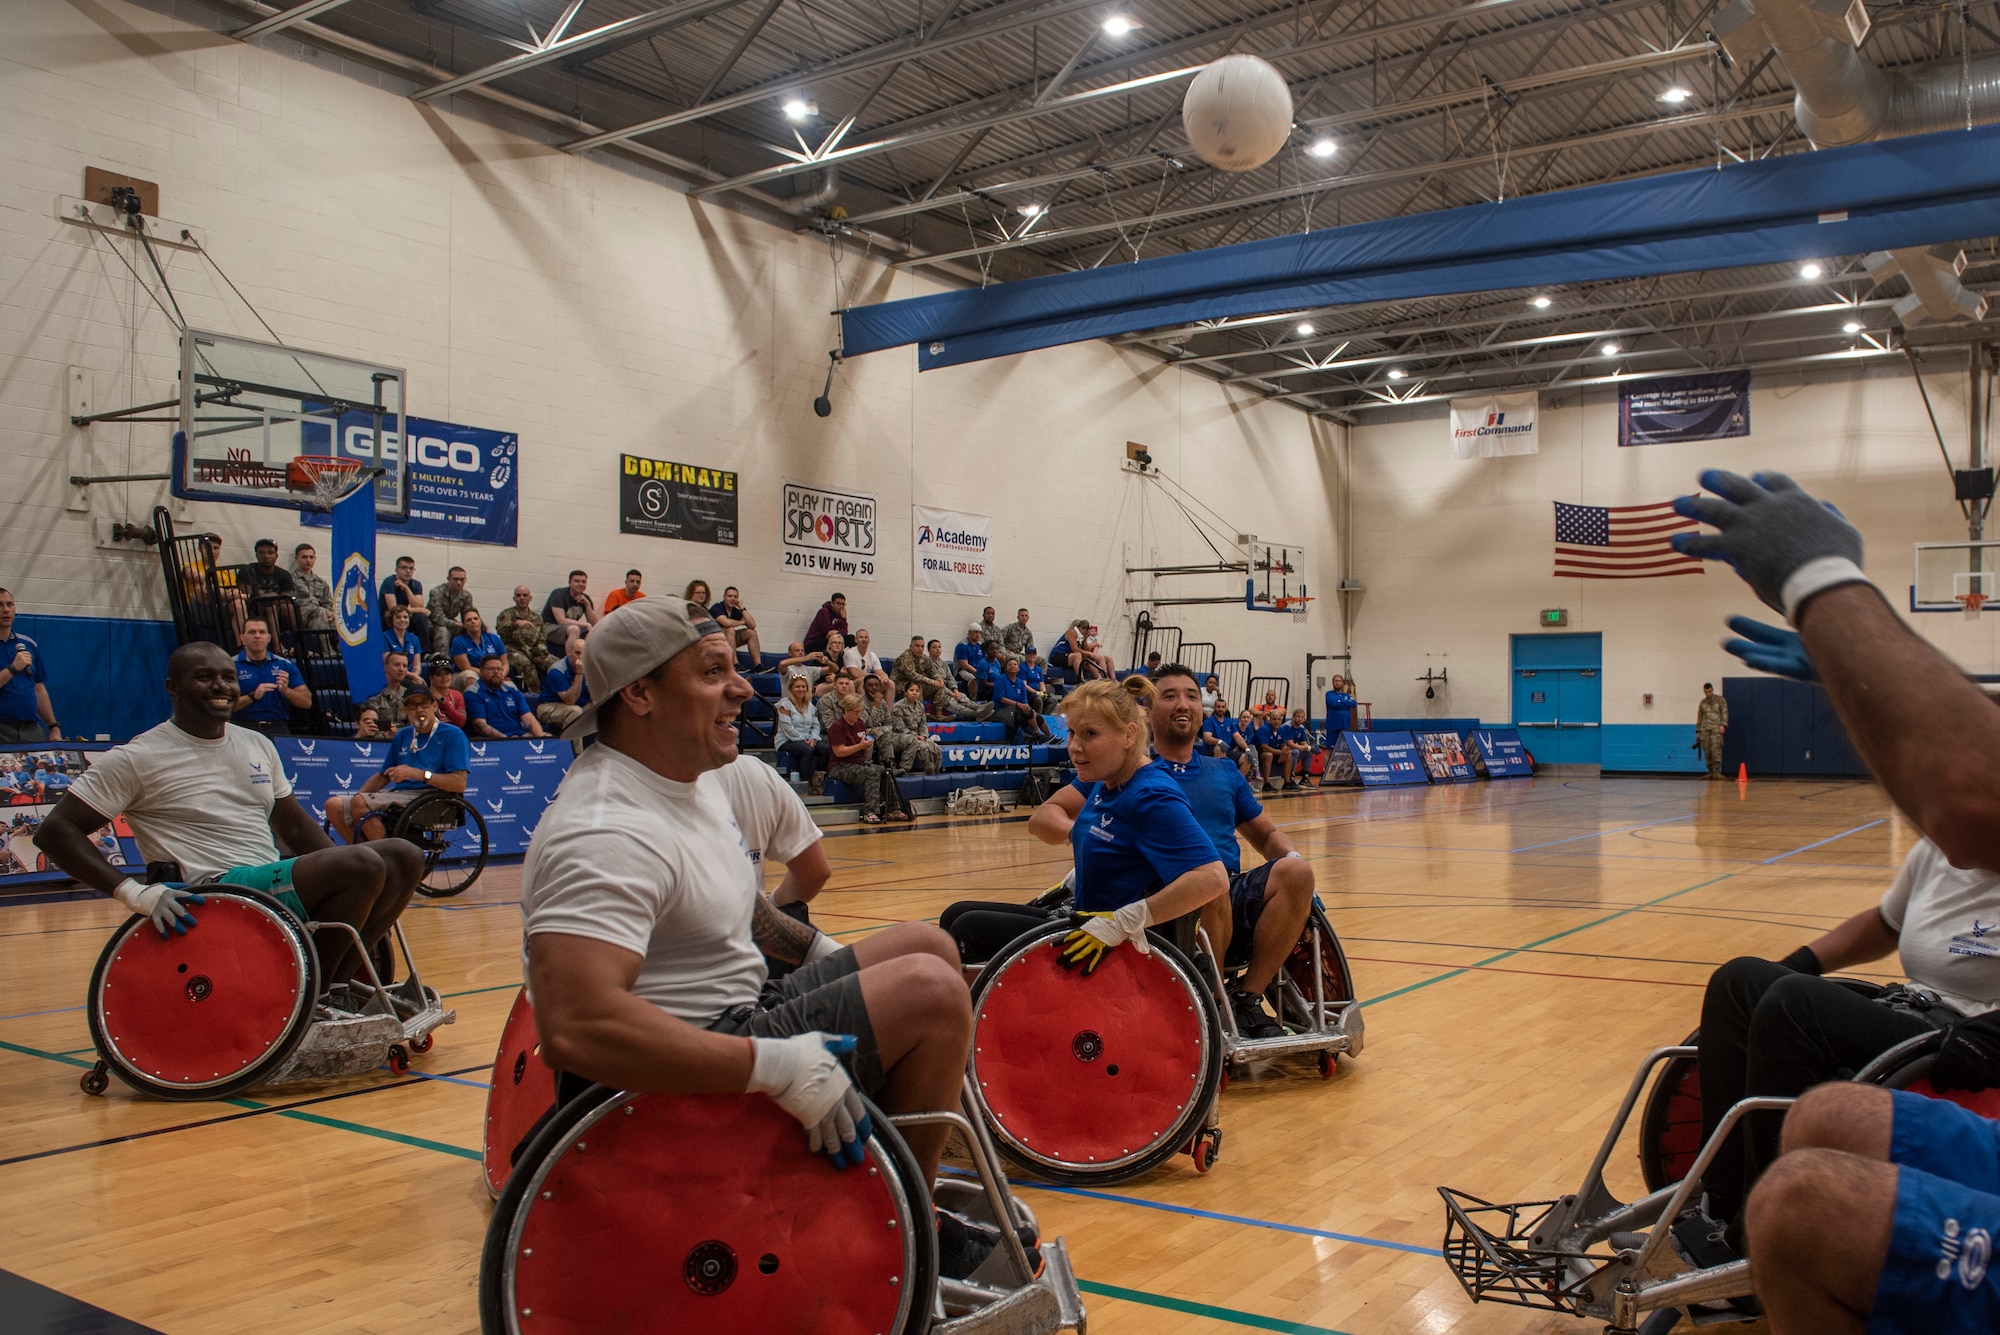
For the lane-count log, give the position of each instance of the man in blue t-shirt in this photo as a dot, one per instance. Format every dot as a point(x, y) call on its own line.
point(25, 712)
point(496, 708)
point(1339, 707)
point(1299, 739)
point(268, 687)
point(1222, 737)
point(426, 754)
point(565, 693)
point(968, 662)
point(1270, 737)
point(1267, 907)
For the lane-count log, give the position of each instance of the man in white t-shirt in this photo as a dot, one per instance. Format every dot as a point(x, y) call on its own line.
point(859, 655)
point(1779, 1028)
point(776, 827)
point(213, 799)
point(646, 929)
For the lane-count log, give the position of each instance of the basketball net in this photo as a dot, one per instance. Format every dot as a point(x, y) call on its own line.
point(1971, 602)
point(1298, 607)
point(326, 478)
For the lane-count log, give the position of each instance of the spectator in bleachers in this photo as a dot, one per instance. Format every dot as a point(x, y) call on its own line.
point(268, 590)
point(1269, 734)
point(628, 592)
point(916, 746)
point(1222, 736)
point(314, 594)
point(875, 714)
point(404, 589)
point(396, 674)
point(447, 605)
point(1017, 638)
point(25, 712)
point(1012, 706)
point(1339, 706)
point(450, 699)
point(853, 749)
point(569, 613)
point(968, 664)
point(735, 619)
point(526, 637)
point(1211, 691)
point(815, 667)
point(1039, 695)
point(1076, 651)
point(565, 694)
point(496, 708)
point(1271, 711)
point(1299, 737)
point(225, 582)
point(831, 617)
point(801, 739)
point(398, 636)
point(268, 687)
point(992, 636)
point(914, 667)
point(1152, 665)
point(366, 727)
point(830, 703)
point(473, 645)
point(697, 593)
point(859, 655)
point(952, 703)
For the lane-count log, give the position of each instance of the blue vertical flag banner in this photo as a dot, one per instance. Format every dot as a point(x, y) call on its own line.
point(464, 481)
point(1684, 407)
point(353, 570)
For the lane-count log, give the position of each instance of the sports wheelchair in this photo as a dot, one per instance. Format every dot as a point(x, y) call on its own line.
point(1312, 996)
point(742, 1228)
point(447, 828)
point(236, 1003)
point(1589, 1255)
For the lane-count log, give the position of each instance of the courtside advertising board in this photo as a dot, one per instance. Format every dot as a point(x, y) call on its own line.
point(1497, 753)
point(1383, 759)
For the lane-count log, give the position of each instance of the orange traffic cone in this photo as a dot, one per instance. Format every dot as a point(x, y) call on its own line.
point(1742, 772)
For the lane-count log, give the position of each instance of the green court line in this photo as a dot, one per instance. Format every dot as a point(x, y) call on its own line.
point(415, 1142)
point(64, 1058)
point(1232, 1315)
point(475, 991)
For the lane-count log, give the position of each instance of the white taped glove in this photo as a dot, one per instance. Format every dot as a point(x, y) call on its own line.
point(166, 905)
point(802, 1076)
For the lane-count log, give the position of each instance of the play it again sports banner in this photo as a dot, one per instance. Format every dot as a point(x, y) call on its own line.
point(953, 551)
point(1497, 424)
point(828, 532)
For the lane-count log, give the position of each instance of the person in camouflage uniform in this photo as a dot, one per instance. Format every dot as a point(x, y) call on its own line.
point(1016, 638)
point(829, 705)
point(520, 629)
point(914, 667)
point(1711, 720)
point(388, 702)
point(875, 713)
point(314, 594)
point(991, 634)
point(447, 606)
point(907, 725)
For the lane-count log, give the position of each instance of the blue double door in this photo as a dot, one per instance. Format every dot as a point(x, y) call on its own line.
point(1559, 697)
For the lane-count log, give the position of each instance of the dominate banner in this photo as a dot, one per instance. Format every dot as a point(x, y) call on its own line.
point(952, 550)
point(828, 532)
point(1498, 424)
point(663, 499)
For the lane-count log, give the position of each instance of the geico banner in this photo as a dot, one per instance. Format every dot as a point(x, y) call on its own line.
point(828, 532)
point(953, 552)
point(464, 480)
point(1495, 425)
point(510, 783)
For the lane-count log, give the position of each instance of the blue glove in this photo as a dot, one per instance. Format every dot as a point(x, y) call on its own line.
point(1771, 649)
point(1771, 531)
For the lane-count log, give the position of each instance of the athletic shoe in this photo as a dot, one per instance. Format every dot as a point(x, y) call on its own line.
point(1252, 1020)
point(964, 1245)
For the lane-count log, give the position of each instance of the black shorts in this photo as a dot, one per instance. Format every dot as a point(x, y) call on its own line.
point(823, 996)
point(1246, 907)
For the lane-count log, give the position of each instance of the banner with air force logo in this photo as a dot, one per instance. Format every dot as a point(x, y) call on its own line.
point(1383, 759)
point(1497, 753)
point(465, 481)
point(510, 783)
point(1494, 425)
point(352, 570)
point(953, 551)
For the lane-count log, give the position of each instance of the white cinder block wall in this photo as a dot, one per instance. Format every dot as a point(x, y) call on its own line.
point(590, 307)
point(1456, 554)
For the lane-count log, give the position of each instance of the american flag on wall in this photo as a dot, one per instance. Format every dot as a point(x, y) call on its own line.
point(1621, 541)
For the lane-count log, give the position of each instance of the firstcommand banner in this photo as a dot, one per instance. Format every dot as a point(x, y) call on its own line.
point(510, 782)
point(829, 532)
point(1684, 407)
point(464, 481)
point(1494, 425)
point(662, 499)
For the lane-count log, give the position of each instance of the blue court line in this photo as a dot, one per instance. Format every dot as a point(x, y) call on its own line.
point(453, 1080)
point(1601, 834)
point(1219, 1217)
point(1824, 842)
point(55, 1010)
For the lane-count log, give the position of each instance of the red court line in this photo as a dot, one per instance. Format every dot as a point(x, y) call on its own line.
point(1533, 973)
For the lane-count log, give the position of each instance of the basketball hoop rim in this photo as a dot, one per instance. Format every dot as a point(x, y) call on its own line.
point(1971, 603)
point(328, 478)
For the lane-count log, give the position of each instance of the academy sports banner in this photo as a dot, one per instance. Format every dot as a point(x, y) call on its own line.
point(33, 778)
point(464, 481)
point(1497, 753)
point(1382, 759)
point(951, 550)
point(669, 500)
point(828, 532)
point(510, 783)
point(1444, 757)
point(1497, 424)
point(1684, 407)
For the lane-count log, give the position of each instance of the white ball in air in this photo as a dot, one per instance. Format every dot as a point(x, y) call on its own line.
point(1238, 113)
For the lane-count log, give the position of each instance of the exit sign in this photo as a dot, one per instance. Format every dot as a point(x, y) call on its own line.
point(1555, 616)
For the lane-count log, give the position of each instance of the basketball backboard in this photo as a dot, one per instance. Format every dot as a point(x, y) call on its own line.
point(1948, 571)
point(249, 408)
point(1275, 580)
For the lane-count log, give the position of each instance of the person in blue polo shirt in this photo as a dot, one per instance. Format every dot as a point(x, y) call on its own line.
point(496, 707)
point(25, 712)
point(1269, 737)
point(426, 753)
point(968, 663)
point(565, 693)
point(1223, 737)
point(473, 647)
point(1339, 707)
point(1013, 706)
point(397, 637)
point(1299, 738)
point(268, 687)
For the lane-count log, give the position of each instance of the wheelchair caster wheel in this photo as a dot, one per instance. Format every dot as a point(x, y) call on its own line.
point(399, 1059)
point(1207, 1149)
point(96, 1080)
point(421, 1045)
point(1328, 1062)
point(1225, 1078)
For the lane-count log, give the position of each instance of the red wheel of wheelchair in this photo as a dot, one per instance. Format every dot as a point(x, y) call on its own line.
point(1336, 977)
point(674, 1213)
point(1908, 1066)
point(523, 1088)
point(210, 1013)
point(1099, 1078)
point(1670, 1126)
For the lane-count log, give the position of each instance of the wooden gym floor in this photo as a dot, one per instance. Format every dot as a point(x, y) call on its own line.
point(1520, 944)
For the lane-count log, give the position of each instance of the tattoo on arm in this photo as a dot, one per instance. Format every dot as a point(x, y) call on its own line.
point(779, 935)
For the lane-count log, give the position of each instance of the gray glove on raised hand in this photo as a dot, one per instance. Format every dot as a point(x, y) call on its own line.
point(166, 905)
point(802, 1076)
point(1785, 544)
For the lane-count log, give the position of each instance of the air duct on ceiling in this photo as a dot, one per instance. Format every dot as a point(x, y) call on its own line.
point(1935, 290)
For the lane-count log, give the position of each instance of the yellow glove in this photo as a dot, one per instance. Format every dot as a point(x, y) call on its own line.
point(1090, 943)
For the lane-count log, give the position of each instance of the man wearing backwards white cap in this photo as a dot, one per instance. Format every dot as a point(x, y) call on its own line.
point(646, 930)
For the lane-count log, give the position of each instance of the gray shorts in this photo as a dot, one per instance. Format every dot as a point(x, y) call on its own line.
point(823, 996)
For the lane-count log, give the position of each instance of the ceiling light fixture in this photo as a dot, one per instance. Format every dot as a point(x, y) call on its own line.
point(1611, 349)
point(1851, 327)
point(1541, 303)
point(1397, 373)
point(1305, 329)
point(1031, 210)
point(1322, 148)
point(1675, 96)
point(1119, 24)
point(798, 109)
point(1809, 271)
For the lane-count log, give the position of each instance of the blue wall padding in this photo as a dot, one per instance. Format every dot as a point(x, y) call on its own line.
point(106, 675)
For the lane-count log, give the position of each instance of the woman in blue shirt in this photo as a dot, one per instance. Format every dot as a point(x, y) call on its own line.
point(800, 739)
point(476, 645)
point(1141, 857)
point(1014, 706)
point(400, 639)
